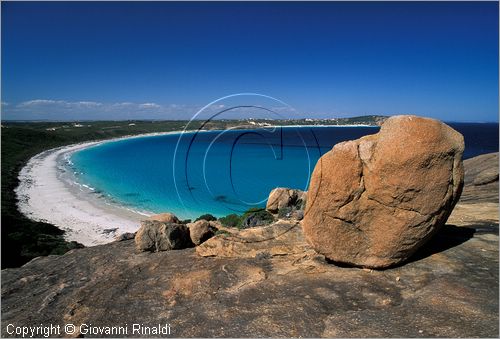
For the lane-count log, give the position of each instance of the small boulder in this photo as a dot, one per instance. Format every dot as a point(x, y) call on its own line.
point(165, 217)
point(374, 201)
point(157, 236)
point(201, 230)
point(285, 198)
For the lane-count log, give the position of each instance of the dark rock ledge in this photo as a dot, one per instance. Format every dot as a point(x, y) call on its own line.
point(448, 289)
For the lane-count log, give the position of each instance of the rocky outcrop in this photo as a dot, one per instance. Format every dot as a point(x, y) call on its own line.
point(374, 201)
point(165, 217)
point(481, 179)
point(482, 170)
point(478, 201)
point(201, 230)
point(285, 201)
point(280, 238)
point(449, 288)
point(158, 236)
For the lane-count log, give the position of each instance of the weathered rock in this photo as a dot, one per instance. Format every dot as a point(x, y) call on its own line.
point(481, 179)
point(374, 201)
point(486, 178)
point(158, 236)
point(201, 230)
point(282, 198)
point(481, 170)
point(165, 217)
point(281, 238)
point(125, 236)
point(477, 202)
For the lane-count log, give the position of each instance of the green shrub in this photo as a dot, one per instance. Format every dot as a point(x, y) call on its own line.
point(207, 217)
point(256, 217)
point(231, 220)
point(285, 212)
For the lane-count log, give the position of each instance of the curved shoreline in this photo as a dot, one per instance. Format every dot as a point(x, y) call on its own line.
point(44, 194)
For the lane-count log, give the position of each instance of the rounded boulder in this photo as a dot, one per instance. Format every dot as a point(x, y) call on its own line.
point(374, 201)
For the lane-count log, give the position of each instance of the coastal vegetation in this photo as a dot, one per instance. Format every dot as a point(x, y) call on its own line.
point(231, 220)
point(207, 217)
point(252, 217)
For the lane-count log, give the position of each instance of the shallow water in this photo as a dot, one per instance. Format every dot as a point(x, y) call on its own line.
point(222, 172)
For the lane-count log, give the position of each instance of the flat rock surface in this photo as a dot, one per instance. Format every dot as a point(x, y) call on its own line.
point(284, 237)
point(448, 289)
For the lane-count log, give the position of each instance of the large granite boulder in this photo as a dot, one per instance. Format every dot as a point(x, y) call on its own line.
point(285, 199)
point(374, 201)
point(201, 230)
point(158, 236)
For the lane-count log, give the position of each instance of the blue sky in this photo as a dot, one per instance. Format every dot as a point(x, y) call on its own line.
point(161, 60)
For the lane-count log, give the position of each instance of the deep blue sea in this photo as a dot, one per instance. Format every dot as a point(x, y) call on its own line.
point(223, 172)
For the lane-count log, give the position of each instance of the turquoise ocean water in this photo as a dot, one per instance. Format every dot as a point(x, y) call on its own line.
point(221, 172)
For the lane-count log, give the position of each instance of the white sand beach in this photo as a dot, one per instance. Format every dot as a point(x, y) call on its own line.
point(44, 195)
